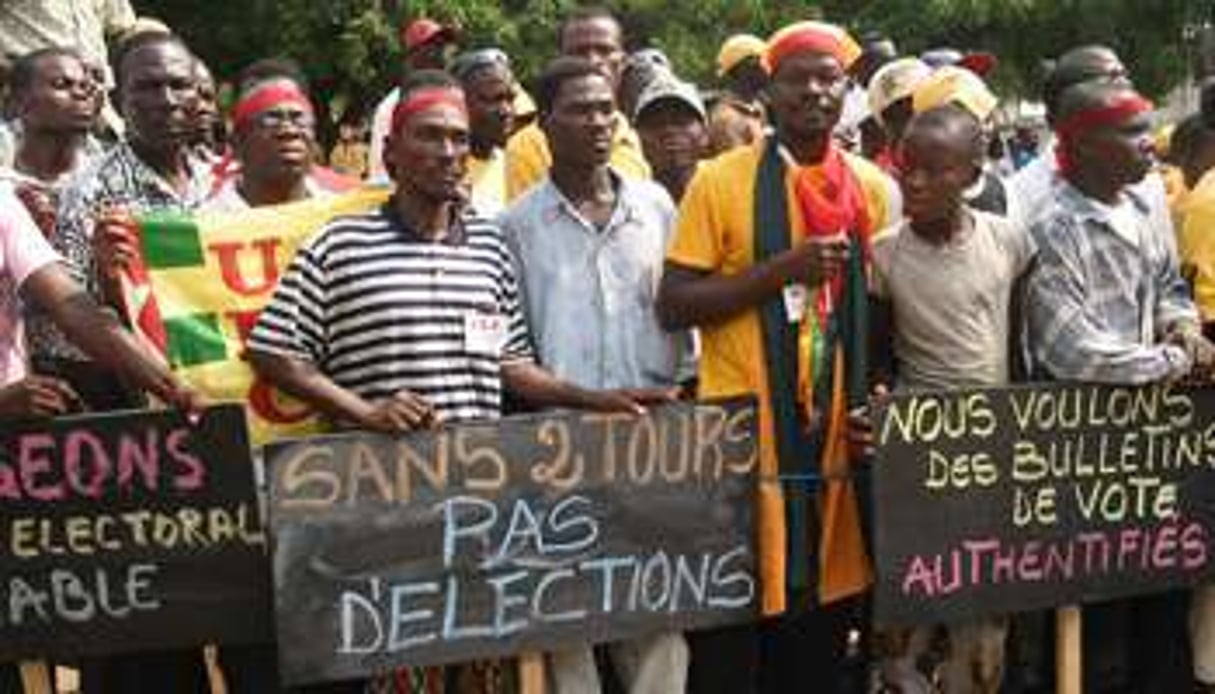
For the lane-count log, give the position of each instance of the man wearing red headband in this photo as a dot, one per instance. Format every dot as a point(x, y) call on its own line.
point(273, 138)
point(152, 169)
point(425, 45)
point(409, 317)
point(769, 261)
point(1107, 304)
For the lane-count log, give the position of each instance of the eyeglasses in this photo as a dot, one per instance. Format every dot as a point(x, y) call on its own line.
point(276, 119)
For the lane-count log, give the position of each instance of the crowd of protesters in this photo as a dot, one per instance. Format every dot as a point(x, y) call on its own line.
point(825, 227)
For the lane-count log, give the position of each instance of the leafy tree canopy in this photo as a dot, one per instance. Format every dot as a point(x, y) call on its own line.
point(349, 48)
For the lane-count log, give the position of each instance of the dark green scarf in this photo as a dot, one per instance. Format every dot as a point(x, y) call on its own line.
point(798, 451)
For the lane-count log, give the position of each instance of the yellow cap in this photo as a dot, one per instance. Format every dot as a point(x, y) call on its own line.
point(955, 85)
point(893, 81)
point(738, 48)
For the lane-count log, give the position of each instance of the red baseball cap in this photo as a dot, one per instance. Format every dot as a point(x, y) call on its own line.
point(980, 62)
point(422, 31)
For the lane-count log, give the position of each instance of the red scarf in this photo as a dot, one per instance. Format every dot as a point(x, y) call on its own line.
point(832, 201)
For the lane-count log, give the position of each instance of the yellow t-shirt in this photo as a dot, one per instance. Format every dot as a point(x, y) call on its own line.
point(715, 233)
point(487, 178)
point(1196, 244)
point(1175, 191)
point(528, 158)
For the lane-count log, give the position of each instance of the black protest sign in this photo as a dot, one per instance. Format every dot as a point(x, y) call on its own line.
point(998, 501)
point(128, 532)
point(531, 533)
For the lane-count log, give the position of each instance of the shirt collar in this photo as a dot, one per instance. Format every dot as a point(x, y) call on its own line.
point(455, 237)
point(554, 204)
point(1124, 221)
point(1087, 209)
point(148, 177)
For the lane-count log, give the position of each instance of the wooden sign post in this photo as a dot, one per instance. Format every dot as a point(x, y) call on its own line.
point(521, 536)
point(1069, 673)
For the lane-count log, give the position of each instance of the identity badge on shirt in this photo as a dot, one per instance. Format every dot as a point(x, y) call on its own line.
point(484, 333)
point(795, 302)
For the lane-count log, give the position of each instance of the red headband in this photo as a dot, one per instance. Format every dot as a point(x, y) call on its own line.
point(1114, 113)
point(427, 97)
point(1102, 116)
point(266, 97)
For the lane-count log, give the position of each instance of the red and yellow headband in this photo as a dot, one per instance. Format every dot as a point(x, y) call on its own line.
point(426, 98)
point(266, 96)
point(809, 36)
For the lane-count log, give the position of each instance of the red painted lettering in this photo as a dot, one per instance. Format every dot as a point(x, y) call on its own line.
point(228, 257)
point(191, 472)
point(77, 464)
point(8, 482)
point(139, 458)
point(273, 407)
point(244, 322)
point(1193, 547)
point(35, 461)
point(919, 579)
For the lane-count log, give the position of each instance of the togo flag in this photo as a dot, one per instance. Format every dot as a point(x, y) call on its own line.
point(201, 284)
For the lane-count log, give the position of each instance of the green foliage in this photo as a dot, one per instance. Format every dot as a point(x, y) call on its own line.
point(349, 48)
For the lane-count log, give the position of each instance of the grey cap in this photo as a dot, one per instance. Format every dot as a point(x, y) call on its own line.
point(667, 86)
point(467, 63)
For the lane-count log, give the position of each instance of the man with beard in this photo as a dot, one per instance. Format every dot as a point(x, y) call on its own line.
point(671, 121)
point(769, 261)
point(1107, 304)
point(56, 101)
point(489, 88)
point(589, 244)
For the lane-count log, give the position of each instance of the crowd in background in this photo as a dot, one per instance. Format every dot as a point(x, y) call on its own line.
point(831, 222)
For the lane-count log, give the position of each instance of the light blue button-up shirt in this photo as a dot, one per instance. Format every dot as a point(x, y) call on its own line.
point(589, 293)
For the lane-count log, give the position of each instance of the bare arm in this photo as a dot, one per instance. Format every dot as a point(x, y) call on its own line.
point(298, 377)
point(101, 336)
point(688, 297)
point(541, 389)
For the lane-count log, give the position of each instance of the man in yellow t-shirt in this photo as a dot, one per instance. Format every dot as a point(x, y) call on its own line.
point(769, 262)
point(594, 34)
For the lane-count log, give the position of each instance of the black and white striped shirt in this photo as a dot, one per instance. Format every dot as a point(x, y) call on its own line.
point(379, 310)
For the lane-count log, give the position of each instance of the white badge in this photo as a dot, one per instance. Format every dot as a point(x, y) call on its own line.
point(484, 333)
point(795, 302)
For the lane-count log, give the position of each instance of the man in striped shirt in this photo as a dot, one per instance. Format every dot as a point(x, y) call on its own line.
point(409, 317)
